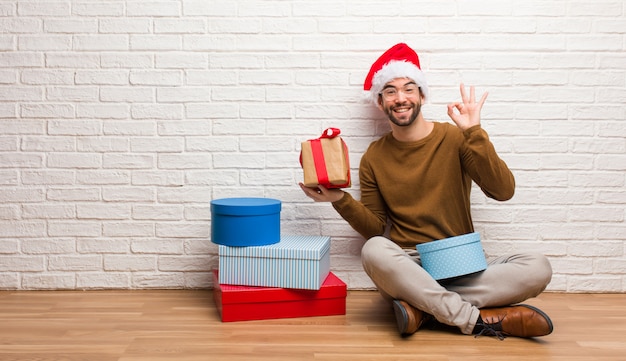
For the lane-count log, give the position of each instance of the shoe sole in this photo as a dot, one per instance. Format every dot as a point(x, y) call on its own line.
point(402, 317)
point(543, 314)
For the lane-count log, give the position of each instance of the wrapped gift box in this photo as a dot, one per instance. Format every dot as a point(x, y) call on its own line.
point(453, 257)
point(325, 161)
point(243, 303)
point(295, 262)
point(245, 221)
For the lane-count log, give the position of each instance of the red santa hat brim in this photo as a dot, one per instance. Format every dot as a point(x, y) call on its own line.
point(400, 61)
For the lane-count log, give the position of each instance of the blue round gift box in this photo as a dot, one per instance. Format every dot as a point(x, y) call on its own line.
point(241, 222)
point(453, 257)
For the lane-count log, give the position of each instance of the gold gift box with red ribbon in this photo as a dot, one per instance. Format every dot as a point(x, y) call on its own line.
point(325, 161)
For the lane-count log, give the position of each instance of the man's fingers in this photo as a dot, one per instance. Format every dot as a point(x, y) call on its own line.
point(463, 96)
point(451, 108)
point(482, 99)
point(472, 96)
point(310, 192)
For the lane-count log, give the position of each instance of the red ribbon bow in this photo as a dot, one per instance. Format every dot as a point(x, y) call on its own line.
point(330, 133)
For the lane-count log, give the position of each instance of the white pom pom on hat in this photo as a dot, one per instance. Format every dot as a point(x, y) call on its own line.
point(400, 61)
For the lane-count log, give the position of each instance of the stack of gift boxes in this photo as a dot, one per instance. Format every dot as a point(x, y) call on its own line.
point(263, 274)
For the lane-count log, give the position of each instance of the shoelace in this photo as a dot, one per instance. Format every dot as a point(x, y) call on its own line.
point(492, 329)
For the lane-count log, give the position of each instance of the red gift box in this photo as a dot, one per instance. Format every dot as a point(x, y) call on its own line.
point(325, 161)
point(245, 303)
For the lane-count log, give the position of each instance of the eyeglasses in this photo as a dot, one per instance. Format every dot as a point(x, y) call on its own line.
point(391, 93)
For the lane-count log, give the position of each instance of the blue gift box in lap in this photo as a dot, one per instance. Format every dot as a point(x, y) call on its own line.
point(453, 257)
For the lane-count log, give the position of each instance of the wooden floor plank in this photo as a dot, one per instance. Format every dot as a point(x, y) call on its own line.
point(184, 325)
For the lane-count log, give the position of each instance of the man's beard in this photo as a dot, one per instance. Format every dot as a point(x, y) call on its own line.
point(415, 111)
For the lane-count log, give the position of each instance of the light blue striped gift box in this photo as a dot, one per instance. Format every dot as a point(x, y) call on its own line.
point(295, 262)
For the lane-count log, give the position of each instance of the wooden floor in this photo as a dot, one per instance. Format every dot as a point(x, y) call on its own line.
point(185, 325)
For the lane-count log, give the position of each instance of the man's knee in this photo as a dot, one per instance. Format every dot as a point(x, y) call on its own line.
point(373, 248)
point(536, 274)
point(543, 270)
point(372, 253)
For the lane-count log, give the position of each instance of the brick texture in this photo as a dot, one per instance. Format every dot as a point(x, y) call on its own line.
point(121, 121)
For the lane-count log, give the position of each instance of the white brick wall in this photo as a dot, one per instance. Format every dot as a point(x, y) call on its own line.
point(121, 120)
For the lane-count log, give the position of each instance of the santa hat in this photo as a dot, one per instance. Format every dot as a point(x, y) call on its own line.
point(400, 61)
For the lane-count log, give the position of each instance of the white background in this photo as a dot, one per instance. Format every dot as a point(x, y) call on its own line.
point(121, 120)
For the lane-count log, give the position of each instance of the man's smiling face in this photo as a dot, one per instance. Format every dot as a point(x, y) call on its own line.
point(401, 100)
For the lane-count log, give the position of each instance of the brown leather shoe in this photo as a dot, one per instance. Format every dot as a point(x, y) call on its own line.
point(409, 318)
point(519, 320)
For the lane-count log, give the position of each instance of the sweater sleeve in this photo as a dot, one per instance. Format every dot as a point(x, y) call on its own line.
point(368, 216)
point(485, 167)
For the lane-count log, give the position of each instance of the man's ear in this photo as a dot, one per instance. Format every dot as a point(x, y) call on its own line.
point(379, 102)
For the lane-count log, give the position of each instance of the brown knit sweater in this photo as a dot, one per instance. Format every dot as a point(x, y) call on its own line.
point(423, 188)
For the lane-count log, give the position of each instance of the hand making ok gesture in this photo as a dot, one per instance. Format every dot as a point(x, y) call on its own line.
point(468, 109)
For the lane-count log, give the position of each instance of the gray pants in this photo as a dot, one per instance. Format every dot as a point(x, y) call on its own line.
point(398, 274)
